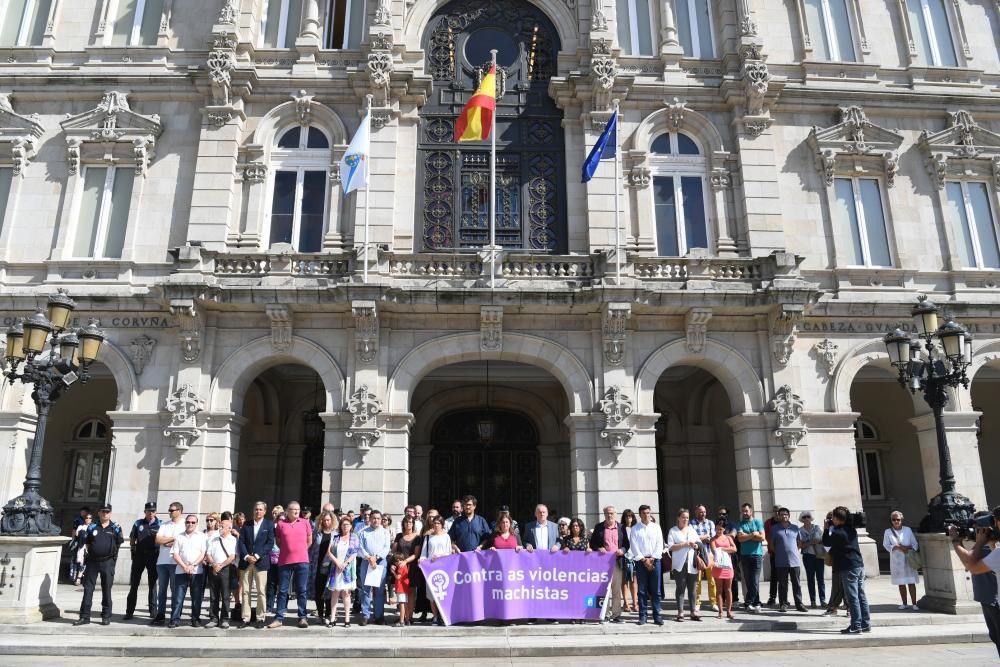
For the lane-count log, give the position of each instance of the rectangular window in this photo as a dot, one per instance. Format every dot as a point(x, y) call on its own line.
point(635, 27)
point(694, 28)
point(104, 209)
point(932, 32)
point(24, 22)
point(298, 209)
point(344, 23)
point(679, 228)
point(6, 181)
point(136, 22)
point(975, 224)
point(281, 24)
point(858, 210)
point(870, 474)
point(829, 25)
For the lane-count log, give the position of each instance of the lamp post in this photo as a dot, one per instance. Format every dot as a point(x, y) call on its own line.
point(935, 359)
point(71, 353)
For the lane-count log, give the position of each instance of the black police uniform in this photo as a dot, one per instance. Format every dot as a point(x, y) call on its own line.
point(102, 543)
point(144, 555)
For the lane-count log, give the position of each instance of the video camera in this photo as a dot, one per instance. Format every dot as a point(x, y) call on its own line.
point(854, 519)
point(966, 530)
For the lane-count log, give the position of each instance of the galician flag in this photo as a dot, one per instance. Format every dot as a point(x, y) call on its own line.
point(354, 164)
point(606, 146)
point(476, 119)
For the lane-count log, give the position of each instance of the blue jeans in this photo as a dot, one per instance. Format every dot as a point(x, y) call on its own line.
point(649, 583)
point(300, 573)
point(196, 582)
point(854, 592)
point(751, 566)
point(164, 582)
point(814, 567)
point(369, 592)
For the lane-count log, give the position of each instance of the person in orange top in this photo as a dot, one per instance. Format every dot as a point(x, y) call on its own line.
point(401, 571)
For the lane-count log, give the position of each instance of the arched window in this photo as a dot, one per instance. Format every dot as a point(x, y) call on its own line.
point(91, 430)
point(680, 196)
point(301, 160)
point(865, 430)
point(694, 28)
point(635, 27)
point(89, 461)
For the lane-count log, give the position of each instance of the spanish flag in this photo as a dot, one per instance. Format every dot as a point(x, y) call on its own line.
point(476, 119)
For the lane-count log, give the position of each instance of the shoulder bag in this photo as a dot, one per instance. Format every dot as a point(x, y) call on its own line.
point(914, 561)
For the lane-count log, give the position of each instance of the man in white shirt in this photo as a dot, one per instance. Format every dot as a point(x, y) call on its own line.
point(188, 553)
point(165, 565)
point(221, 555)
point(646, 549)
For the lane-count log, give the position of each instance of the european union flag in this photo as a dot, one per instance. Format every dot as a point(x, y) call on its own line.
point(605, 147)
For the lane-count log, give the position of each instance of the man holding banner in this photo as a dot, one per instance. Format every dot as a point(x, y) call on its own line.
point(646, 549)
point(609, 536)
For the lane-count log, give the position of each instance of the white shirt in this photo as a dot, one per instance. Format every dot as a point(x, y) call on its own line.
point(418, 526)
point(216, 544)
point(256, 527)
point(682, 560)
point(542, 536)
point(168, 529)
point(192, 548)
point(645, 541)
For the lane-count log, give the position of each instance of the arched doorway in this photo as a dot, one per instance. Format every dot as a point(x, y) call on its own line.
point(694, 445)
point(493, 429)
point(77, 457)
point(453, 190)
point(985, 399)
point(281, 444)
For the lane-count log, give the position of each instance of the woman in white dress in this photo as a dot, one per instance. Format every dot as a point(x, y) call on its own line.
point(898, 540)
point(343, 553)
point(436, 545)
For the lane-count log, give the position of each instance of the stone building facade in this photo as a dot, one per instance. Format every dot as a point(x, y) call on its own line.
point(794, 174)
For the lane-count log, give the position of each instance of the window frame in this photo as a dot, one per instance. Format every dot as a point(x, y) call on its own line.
point(104, 212)
point(675, 165)
point(135, 34)
point(630, 8)
point(696, 52)
point(956, 30)
point(862, 221)
point(977, 249)
point(855, 26)
point(24, 29)
point(863, 477)
point(282, 35)
point(298, 160)
point(348, 27)
point(89, 448)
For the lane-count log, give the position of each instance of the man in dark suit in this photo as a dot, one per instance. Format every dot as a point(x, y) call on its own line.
point(610, 535)
point(541, 533)
point(256, 542)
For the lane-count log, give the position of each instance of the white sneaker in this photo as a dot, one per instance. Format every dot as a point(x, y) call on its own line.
point(902, 607)
point(915, 608)
point(715, 607)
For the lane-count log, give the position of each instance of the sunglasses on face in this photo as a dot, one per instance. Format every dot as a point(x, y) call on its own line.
point(191, 523)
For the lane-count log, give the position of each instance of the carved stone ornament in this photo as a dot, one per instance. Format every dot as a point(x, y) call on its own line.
point(381, 42)
point(826, 355)
point(696, 328)
point(971, 149)
point(255, 172)
point(784, 332)
point(747, 27)
point(183, 406)
point(614, 331)
point(383, 13)
point(754, 127)
point(365, 330)
point(19, 135)
point(617, 439)
point(380, 70)
point(787, 405)
point(675, 113)
point(604, 70)
point(112, 123)
point(190, 334)
point(598, 20)
point(720, 178)
point(856, 138)
point(281, 326)
point(790, 437)
point(221, 63)
point(364, 408)
point(229, 13)
point(303, 106)
point(755, 81)
point(140, 351)
point(639, 177)
point(616, 406)
point(491, 328)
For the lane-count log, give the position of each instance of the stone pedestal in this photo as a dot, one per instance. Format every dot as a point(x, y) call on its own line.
point(29, 574)
point(947, 586)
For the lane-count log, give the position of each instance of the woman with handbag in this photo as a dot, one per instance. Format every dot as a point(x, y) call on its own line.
point(904, 558)
point(343, 555)
point(684, 546)
point(723, 550)
point(319, 556)
point(629, 583)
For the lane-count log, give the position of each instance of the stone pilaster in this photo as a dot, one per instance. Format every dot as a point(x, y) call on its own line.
point(212, 195)
point(380, 478)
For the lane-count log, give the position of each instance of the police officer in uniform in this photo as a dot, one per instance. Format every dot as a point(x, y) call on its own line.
point(142, 541)
point(103, 540)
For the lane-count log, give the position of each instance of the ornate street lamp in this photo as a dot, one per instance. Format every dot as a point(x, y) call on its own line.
point(934, 360)
point(68, 361)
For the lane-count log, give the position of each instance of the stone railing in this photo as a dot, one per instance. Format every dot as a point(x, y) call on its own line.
point(512, 267)
point(232, 265)
point(752, 272)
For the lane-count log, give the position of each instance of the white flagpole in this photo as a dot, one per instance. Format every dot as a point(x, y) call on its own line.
point(493, 177)
point(368, 119)
point(618, 188)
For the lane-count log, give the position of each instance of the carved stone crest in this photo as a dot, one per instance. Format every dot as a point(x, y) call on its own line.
point(281, 326)
point(229, 13)
point(140, 351)
point(785, 331)
point(183, 406)
point(788, 406)
point(491, 328)
point(696, 326)
point(365, 330)
point(364, 408)
point(221, 62)
point(190, 334)
point(617, 407)
point(614, 331)
point(826, 355)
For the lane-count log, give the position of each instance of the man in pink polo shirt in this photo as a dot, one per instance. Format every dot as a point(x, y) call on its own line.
point(294, 536)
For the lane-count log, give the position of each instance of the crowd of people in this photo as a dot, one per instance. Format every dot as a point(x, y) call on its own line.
point(353, 565)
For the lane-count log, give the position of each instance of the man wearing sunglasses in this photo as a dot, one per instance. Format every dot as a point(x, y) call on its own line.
point(103, 538)
point(165, 565)
point(188, 553)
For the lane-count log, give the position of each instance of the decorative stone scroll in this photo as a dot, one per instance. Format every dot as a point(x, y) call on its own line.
point(183, 406)
point(140, 351)
point(281, 326)
point(961, 150)
point(788, 406)
point(130, 136)
point(616, 406)
point(855, 140)
point(614, 331)
point(365, 330)
point(364, 408)
point(491, 328)
point(19, 135)
point(696, 327)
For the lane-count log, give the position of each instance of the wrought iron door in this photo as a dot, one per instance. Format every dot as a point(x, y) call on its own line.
point(453, 209)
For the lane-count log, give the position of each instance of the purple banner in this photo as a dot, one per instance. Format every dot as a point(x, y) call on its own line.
point(508, 585)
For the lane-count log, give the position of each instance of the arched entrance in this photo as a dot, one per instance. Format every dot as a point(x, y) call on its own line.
point(694, 445)
point(453, 190)
point(495, 430)
point(985, 391)
point(281, 444)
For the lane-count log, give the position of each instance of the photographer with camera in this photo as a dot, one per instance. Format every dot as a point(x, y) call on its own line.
point(983, 562)
point(842, 538)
